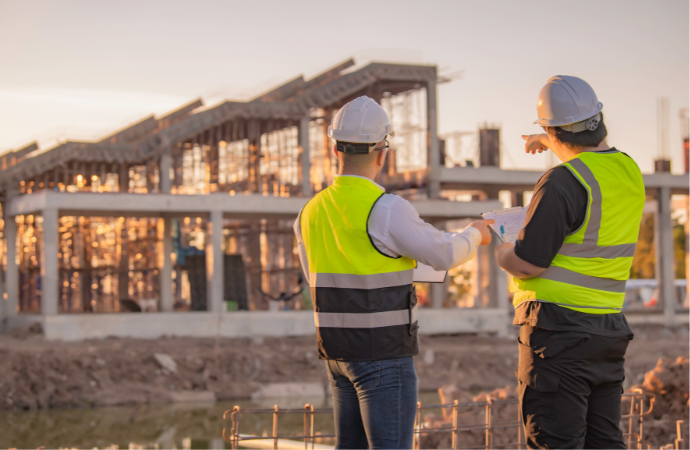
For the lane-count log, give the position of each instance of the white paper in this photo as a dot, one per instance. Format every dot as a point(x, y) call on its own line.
point(509, 222)
point(427, 274)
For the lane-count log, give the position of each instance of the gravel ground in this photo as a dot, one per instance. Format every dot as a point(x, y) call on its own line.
point(40, 374)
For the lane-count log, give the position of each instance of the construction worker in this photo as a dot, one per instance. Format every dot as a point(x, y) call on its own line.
point(358, 247)
point(569, 267)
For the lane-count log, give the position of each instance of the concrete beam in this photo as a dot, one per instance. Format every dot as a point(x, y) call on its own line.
point(471, 178)
point(87, 203)
point(236, 206)
point(76, 327)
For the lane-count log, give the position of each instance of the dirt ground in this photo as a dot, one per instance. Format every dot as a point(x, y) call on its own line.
point(39, 374)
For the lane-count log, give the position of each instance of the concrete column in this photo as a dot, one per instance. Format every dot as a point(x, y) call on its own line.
point(498, 279)
point(214, 262)
point(123, 267)
point(665, 270)
point(49, 262)
point(305, 161)
point(438, 292)
point(687, 253)
point(484, 299)
point(164, 171)
point(12, 274)
point(517, 198)
point(166, 298)
point(434, 156)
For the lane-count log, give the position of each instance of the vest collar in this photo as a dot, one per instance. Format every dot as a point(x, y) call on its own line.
point(338, 178)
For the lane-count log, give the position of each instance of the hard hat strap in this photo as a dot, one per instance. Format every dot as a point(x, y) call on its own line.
point(352, 148)
point(590, 124)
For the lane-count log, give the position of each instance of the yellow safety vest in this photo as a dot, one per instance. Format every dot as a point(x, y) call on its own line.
point(364, 301)
point(590, 270)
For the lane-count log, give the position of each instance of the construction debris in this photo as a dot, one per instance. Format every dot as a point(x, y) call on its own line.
point(668, 384)
point(166, 362)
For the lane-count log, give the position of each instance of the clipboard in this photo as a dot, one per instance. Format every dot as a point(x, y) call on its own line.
point(427, 274)
point(509, 222)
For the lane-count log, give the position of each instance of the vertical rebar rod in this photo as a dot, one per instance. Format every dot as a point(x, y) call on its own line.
point(416, 443)
point(639, 439)
point(275, 427)
point(306, 425)
point(519, 427)
point(489, 423)
point(454, 443)
point(311, 431)
point(236, 428)
point(630, 421)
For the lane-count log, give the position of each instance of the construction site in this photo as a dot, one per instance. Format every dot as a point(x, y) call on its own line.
point(173, 237)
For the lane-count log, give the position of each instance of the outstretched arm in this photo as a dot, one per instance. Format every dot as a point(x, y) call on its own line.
point(396, 229)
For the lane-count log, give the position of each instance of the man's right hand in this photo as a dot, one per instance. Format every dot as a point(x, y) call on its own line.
point(536, 142)
point(484, 229)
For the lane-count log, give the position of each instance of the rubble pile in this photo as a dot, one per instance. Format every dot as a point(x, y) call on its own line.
point(667, 383)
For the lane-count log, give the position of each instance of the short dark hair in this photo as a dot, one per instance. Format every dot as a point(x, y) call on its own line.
point(583, 138)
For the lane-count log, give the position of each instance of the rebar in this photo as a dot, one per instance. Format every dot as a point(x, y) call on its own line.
point(634, 436)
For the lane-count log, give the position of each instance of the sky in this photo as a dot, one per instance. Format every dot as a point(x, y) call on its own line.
point(82, 69)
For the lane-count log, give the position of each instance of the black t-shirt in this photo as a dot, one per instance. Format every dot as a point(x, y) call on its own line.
point(558, 208)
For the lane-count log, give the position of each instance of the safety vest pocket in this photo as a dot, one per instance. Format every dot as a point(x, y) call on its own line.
point(414, 323)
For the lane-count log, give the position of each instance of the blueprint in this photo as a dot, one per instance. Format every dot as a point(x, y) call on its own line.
point(509, 222)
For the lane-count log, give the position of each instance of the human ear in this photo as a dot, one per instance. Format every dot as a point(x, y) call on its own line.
point(381, 157)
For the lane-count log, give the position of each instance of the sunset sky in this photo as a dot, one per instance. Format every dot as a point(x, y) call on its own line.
point(85, 68)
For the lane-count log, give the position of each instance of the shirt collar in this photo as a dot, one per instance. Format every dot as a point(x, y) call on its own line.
point(364, 178)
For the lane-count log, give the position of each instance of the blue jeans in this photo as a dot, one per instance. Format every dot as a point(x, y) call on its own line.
point(374, 402)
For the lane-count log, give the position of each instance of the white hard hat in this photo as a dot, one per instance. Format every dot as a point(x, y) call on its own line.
point(570, 103)
point(361, 121)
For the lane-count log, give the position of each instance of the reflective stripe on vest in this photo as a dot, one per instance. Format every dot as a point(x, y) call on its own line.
point(367, 320)
point(373, 281)
point(590, 271)
point(364, 300)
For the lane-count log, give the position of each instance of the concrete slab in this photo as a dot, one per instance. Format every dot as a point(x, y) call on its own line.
point(312, 390)
point(76, 327)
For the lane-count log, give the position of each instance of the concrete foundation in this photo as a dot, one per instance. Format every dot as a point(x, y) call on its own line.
point(76, 327)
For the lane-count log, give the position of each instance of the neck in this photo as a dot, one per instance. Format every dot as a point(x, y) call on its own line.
point(565, 153)
point(369, 172)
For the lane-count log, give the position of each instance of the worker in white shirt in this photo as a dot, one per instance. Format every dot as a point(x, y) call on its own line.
point(358, 247)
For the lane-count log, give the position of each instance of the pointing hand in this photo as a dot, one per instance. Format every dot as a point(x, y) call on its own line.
point(536, 143)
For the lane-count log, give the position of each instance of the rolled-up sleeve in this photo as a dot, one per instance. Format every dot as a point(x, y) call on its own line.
point(396, 229)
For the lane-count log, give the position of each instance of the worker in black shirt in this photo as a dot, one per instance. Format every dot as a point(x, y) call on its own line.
point(569, 266)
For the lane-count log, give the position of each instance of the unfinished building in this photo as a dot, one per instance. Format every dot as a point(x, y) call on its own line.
point(189, 215)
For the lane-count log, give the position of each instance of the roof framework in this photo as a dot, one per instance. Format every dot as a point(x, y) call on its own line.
point(144, 143)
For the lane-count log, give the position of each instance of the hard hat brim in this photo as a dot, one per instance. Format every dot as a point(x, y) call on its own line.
point(570, 120)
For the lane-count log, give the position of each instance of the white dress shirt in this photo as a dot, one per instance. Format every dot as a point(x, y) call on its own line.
point(396, 229)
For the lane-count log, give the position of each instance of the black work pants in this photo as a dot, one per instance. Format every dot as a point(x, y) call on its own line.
point(570, 388)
